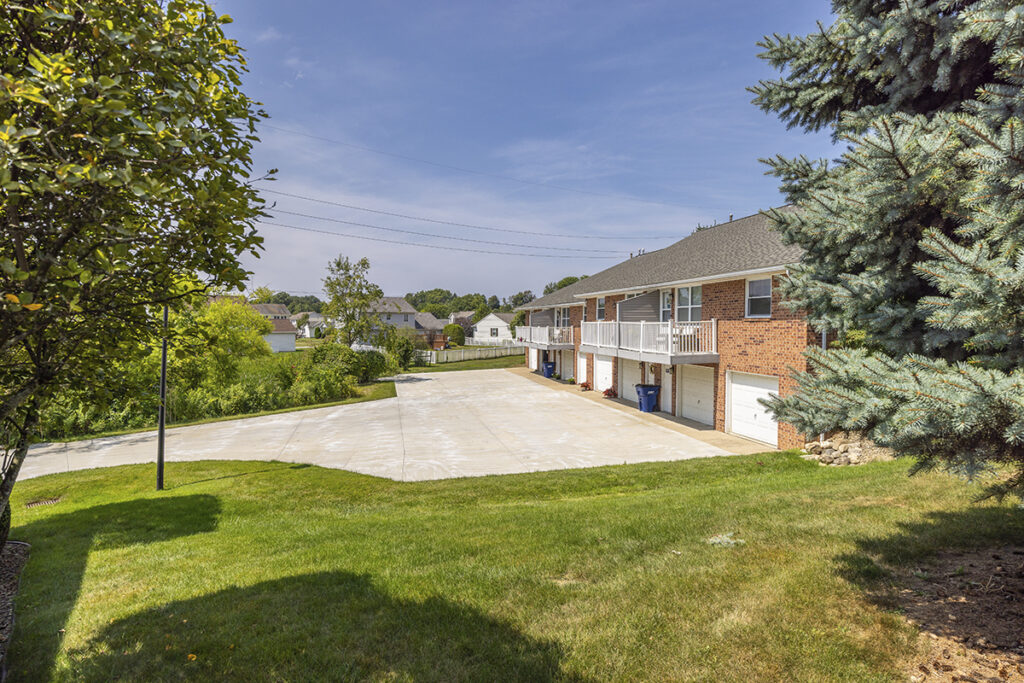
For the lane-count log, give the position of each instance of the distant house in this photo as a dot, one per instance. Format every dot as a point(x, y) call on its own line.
point(311, 323)
point(431, 330)
point(460, 315)
point(395, 311)
point(282, 337)
point(493, 328)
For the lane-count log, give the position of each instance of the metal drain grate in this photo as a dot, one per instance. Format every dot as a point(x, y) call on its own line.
point(47, 501)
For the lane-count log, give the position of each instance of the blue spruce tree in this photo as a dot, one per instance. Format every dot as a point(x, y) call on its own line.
point(914, 238)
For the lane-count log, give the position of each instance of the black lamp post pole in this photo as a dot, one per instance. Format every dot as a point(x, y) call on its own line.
point(163, 410)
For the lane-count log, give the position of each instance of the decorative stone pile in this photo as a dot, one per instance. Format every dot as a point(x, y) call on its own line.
point(846, 449)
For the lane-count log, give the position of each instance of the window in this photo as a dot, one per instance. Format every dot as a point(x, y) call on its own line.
point(688, 304)
point(759, 298)
point(600, 308)
point(389, 316)
point(494, 331)
point(666, 305)
point(405, 317)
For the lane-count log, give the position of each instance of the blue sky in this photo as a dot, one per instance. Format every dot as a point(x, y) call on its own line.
point(619, 101)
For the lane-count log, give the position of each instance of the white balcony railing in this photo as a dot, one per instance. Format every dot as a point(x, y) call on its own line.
point(655, 337)
point(545, 335)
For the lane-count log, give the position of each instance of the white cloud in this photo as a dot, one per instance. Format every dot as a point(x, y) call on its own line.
point(269, 35)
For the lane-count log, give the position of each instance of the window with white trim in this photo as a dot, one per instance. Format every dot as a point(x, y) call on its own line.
point(494, 331)
point(666, 305)
point(688, 303)
point(600, 308)
point(759, 298)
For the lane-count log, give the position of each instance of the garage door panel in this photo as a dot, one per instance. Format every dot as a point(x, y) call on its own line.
point(602, 373)
point(697, 394)
point(747, 416)
point(629, 377)
point(581, 368)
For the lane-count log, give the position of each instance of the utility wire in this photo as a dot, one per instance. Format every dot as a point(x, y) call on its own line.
point(431, 246)
point(431, 234)
point(472, 171)
point(460, 225)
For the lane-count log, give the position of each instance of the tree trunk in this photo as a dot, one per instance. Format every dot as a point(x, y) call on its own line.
point(10, 474)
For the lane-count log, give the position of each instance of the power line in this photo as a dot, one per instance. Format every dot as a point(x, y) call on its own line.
point(430, 234)
point(429, 246)
point(460, 225)
point(523, 181)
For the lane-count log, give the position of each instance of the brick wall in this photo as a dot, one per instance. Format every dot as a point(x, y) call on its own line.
point(761, 346)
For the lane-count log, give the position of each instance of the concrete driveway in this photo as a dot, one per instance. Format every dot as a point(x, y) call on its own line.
point(445, 424)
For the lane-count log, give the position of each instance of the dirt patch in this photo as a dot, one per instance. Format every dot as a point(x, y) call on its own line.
point(969, 607)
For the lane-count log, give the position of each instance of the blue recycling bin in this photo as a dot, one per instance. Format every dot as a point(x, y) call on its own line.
point(547, 369)
point(648, 397)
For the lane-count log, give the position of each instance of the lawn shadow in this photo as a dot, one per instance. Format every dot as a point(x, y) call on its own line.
point(60, 549)
point(312, 627)
point(281, 466)
point(956, 574)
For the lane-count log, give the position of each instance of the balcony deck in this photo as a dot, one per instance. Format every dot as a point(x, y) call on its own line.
point(546, 338)
point(669, 343)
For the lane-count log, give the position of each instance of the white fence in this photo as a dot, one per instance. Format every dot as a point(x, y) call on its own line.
point(490, 341)
point(455, 355)
point(653, 337)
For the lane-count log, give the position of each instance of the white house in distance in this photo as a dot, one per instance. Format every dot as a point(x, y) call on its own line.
point(313, 322)
point(282, 337)
point(493, 328)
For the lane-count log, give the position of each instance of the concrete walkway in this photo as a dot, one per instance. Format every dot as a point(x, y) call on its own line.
point(445, 424)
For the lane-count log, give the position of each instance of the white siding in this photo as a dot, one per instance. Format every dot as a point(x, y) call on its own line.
point(490, 323)
point(281, 341)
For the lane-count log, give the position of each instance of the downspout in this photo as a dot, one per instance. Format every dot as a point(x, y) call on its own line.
point(824, 347)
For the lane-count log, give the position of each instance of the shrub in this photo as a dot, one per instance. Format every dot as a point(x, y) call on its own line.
point(456, 335)
point(610, 393)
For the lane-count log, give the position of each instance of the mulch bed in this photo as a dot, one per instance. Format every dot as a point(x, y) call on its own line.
point(12, 561)
point(969, 607)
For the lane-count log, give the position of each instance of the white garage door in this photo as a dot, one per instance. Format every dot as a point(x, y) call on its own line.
point(629, 377)
point(748, 417)
point(565, 369)
point(602, 373)
point(697, 393)
point(581, 368)
point(533, 358)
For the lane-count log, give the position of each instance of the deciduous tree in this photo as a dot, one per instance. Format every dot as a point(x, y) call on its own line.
point(351, 298)
point(125, 149)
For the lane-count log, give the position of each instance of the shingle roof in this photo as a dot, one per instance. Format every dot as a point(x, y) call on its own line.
point(283, 325)
point(392, 304)
point(734, 247)
point(271, 309)
point(463, 314)
point(741, 245)
point(312, 316)
point(428, 321)
point(506, 317)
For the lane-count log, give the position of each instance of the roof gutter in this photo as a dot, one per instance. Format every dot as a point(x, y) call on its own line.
point(528, 307)
point(680, 283)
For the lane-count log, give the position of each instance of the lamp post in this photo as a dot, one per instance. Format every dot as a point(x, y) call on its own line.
point(163, 410)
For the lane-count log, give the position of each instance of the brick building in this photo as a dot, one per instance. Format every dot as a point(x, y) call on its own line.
point(701, 318)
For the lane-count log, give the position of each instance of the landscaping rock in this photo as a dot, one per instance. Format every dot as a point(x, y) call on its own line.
point(812, 447)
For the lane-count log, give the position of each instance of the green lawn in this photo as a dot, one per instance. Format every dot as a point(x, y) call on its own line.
point(270, 571)
point(516, 361)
